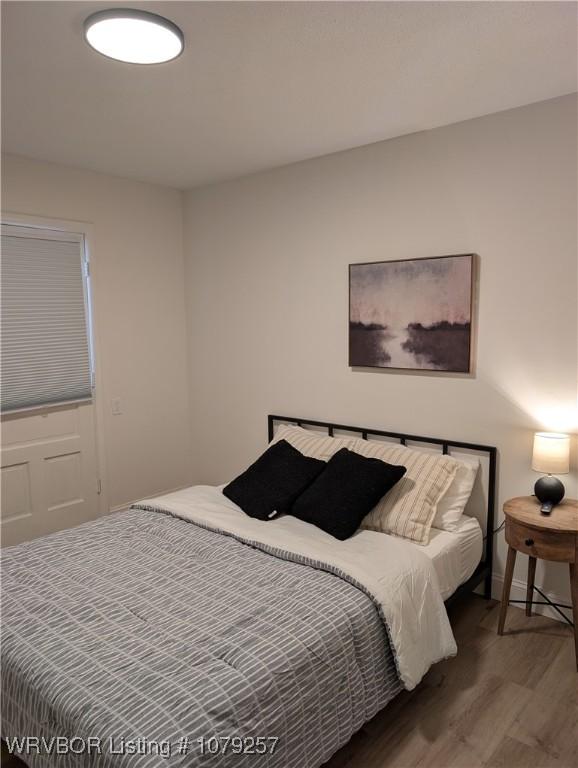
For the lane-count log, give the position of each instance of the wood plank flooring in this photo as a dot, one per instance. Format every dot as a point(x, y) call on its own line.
point(503, 702)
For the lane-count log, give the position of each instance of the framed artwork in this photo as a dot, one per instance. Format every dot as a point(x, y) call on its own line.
point(413, 314)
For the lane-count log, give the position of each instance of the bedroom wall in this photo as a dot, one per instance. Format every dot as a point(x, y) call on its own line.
point(136, 248)
point(267, 287)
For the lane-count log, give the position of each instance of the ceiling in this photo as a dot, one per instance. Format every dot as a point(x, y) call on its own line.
point(262, 84)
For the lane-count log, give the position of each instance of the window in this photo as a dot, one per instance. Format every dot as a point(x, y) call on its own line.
point(46, 357)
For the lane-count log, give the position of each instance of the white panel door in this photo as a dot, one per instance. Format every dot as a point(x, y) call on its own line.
point(49, 472)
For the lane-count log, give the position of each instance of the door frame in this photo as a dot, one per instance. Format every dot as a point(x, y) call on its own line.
point(87, 230)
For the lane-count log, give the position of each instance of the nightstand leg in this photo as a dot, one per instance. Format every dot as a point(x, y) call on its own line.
point(506, 590)
point(530, 585)
point(574, 590)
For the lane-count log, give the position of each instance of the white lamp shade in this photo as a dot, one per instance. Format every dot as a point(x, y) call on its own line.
point(551, 453)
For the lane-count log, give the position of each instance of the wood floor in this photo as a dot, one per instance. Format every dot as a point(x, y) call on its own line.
point(503, 702)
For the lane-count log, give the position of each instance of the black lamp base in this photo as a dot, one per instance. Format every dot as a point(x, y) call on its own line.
point(550, 491)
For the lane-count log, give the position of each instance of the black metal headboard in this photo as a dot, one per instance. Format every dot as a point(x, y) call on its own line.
point(484, 570)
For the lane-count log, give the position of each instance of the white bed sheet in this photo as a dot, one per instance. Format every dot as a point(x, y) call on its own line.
point(454, 554)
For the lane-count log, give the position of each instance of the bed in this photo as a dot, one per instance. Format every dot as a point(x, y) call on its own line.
point(182, 633)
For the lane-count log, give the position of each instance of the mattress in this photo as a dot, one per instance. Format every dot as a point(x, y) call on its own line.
point(454, 554)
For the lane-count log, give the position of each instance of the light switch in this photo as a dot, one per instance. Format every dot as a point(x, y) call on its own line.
point(116, 406)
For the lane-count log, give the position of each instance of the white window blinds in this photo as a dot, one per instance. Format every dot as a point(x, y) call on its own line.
point(45, 335)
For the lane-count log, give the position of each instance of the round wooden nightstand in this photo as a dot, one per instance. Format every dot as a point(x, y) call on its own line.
point(549, 537)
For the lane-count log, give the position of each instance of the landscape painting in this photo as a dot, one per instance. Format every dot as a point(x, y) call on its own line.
point(414, 314)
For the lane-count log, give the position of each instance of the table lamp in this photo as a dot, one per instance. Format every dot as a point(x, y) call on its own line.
point(551, 455)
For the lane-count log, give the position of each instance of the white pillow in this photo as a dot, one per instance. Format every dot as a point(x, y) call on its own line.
point(452, 504)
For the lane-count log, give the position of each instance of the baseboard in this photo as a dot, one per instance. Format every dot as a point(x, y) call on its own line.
point(128, 504)
point(518, 592)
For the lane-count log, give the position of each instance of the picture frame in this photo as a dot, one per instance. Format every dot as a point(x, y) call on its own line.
point(413, 314)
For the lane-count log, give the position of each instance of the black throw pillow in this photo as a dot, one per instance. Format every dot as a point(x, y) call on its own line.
point(270, 485)
point(347, 489)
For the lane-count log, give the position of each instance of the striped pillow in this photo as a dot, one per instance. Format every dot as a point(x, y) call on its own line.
point(409, 508)
point(317, 445)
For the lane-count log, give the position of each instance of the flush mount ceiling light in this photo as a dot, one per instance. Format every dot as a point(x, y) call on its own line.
point(133, 36)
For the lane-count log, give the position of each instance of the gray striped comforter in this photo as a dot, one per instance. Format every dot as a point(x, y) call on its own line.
point(149, 634)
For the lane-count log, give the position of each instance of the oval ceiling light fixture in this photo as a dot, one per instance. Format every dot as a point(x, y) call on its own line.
point(133, 36)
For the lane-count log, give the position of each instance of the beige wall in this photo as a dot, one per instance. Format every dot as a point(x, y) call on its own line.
point(137, 269)
point(266, 278)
